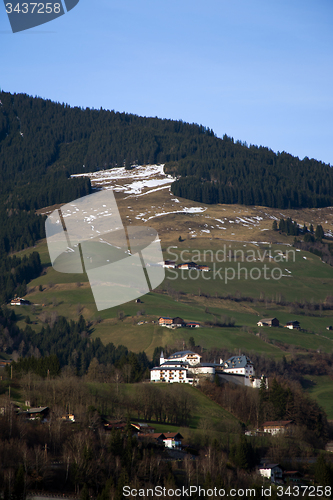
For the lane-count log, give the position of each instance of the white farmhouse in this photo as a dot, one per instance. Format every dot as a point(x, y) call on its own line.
point(272, 472)
point(239, 370)
point(242, 365)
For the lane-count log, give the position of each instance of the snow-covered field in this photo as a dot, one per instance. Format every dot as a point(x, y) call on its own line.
point(132, 182)
point(146, 179)
point(137, 182)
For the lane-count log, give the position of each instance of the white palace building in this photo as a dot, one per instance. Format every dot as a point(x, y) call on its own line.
point(186, 367)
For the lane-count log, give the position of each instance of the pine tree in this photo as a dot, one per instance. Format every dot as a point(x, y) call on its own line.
point(244, 454)
point(319, 234)
point(84, 494)
point(323, 472)
point(191, 343)
point(18, 492)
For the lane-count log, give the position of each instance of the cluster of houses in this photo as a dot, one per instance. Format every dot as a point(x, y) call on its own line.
point(40, 413)
point(142, 430)
point(185, 367)
point(292, 325)
point(273, 471)
point(171, 264)
point(176, 322)
point(171, 440)
point(174, 440)
point(173, 323)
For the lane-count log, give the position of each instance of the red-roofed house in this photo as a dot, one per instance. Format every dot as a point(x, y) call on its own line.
point(115, 424)
point(156, 436)
point(292, 476)
point(276, 426)
point(163, 321)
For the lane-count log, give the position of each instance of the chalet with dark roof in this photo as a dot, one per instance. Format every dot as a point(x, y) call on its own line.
point(40, 413)
point(239, 365)
point(153, 436)
point(142, 428)
point(268, 322)
point(273, 472)
point(293, 325)
point(173, 440)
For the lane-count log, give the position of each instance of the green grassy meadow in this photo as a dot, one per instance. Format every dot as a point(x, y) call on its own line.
point(199, 299)
point(321, 389)
point(206, 414)
point(204, 297)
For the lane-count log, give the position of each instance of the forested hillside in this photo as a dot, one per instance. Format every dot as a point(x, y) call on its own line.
point(229, 172)
point(49, 141)
point(69, 342)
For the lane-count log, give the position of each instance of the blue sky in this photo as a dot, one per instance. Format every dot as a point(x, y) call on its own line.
point(260, 71)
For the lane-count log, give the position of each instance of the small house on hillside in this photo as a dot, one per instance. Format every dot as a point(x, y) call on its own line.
point(169, 264)
point(268, 322)
point(187, 265)
point(171, 322)
point(142, 428)
point(164, 321)
point(117, 425)
point(19, 302)
point(293, 476)
point(153, 436)
point(69, 417)
point(5, 362)
point(203, 268)
point(241, 365)
point(178, 322)
point(292, 325)
point(40, 413)
point(329, 446)
point(173, 440)
point(193, 324)
point(272, 472)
